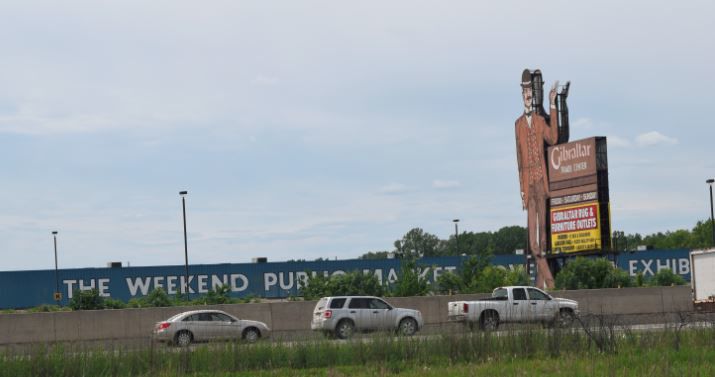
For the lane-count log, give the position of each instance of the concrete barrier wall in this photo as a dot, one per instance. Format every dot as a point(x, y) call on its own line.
point(295, 316)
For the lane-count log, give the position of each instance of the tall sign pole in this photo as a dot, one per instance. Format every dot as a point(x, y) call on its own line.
point(712, 218)
point(186, 245)
point(456, 234)
point(58, 294)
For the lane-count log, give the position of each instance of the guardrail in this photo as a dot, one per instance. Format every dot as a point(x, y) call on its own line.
point(640, 305)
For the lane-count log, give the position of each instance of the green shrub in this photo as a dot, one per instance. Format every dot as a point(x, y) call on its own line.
point(111, 303)
point(490, 278)
point(44, 308)
point(517, 276)
point(477, 276)
point(248, 299)
point(157, 298)
point(591, 273)
point(86, 300)
point(449, 283)
point(410, 282)
point(219, 295)
point(465, 279)
point(351, 283)
point(665, 278)
point(640, 280)
point(472, 268)
point(314, 286)
point(617, 278)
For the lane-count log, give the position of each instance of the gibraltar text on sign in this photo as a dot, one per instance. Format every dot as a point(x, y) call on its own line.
point(572, 160)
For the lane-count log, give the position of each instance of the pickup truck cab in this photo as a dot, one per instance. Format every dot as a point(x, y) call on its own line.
point(518, 304)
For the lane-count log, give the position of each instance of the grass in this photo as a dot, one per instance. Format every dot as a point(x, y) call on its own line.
point(604, 351)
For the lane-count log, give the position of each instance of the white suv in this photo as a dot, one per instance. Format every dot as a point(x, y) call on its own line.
point(343, 315)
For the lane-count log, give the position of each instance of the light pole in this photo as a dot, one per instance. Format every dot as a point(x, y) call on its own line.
point(186, 245)
point(712, 219)
point(57, 275)
point(456, 234)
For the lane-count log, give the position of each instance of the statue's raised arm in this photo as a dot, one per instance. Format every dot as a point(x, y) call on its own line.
point(563, 113)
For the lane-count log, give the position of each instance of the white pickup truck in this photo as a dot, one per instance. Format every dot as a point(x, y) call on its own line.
point(514, 304)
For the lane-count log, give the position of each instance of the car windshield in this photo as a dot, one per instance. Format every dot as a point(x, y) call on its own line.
point(500, 292)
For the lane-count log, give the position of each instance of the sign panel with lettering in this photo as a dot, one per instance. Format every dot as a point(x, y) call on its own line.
point(579, 204)
point(572, 160)
point(575, 228)
point(23, 289)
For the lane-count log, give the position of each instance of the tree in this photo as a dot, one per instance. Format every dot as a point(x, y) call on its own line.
point(517, 276)
point(665, 278)
point(410, 282)
point(470, 243)
point(618, 239)
point(503, 241)
point(449, 283)
point(489, 278)
point(314, 286)
point(632, 241)
point(218, 295)
point(417, 243)
point(156, 298)
point(86, 300)
point(355, 283)
point(472, 267)
point(591, 273)
point(351, 283)
point(375, 255)
point(465, 280)
point(702, 235)
point(510, 238)
point(699, 237)
point(110, 303)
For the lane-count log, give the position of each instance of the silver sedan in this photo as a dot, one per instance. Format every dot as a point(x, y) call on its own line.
point(203, 325)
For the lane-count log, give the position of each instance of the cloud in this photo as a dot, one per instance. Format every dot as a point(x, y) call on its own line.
point(443, 185)
point(618, 142)
point(394, 189)
point(654, 138)
point(583, 123)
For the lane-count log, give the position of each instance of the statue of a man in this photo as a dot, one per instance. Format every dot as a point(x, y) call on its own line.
point(533, 136)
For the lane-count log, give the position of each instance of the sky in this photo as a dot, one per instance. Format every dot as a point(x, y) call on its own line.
point(309, 129)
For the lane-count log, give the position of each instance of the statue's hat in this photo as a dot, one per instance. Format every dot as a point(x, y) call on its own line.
point(526, 78)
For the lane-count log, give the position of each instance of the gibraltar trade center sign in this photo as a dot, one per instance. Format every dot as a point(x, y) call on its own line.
point(579, 203)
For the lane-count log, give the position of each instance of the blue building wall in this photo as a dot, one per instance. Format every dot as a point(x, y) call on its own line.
point(22, 289)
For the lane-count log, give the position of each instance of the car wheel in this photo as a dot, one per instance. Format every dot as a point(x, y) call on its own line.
point(408, 327)
point(183, 339)
point(251, 335)
point(345, 329)
point(565, 318)
point(490, 321)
